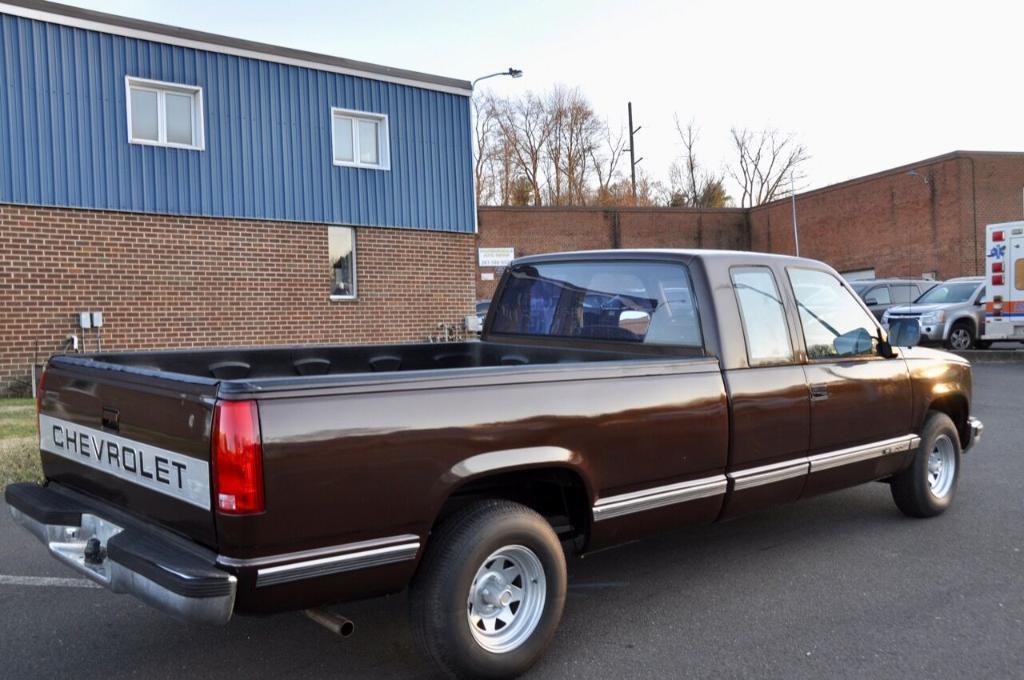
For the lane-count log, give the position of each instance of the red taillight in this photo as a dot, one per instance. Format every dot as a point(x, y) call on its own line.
point(997, 267)
point(997, 236)
point(997, 279)
point(237, 456)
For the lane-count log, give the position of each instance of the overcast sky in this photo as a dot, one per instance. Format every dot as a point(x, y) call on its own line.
point(865, 86)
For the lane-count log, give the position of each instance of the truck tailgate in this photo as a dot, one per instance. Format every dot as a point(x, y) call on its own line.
point(141, 442)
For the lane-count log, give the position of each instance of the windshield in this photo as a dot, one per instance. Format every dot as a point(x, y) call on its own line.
point(949, 293)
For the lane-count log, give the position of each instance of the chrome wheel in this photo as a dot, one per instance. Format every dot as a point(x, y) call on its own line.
point(506, 598)
point(960, 338)
point(942, 466)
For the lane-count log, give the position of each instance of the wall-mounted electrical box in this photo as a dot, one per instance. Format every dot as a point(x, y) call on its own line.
point(97, 319)
point(84, 320)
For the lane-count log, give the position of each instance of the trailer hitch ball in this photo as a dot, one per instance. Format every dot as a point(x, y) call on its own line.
point(94, 552)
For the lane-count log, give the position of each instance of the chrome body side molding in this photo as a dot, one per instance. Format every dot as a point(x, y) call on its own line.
point(287, 567)
point(856, 454)
point(768, 474)
point(659, 496)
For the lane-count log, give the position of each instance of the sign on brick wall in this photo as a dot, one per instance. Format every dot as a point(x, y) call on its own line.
point(495, 257)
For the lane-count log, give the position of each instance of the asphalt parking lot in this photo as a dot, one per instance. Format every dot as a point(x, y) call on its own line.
point(838, 586)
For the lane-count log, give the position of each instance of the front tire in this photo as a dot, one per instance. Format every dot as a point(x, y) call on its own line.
point(489, 592)
point(961, 336)
point(927, 487)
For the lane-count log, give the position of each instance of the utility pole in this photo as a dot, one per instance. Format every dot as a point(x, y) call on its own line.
point(633, 160)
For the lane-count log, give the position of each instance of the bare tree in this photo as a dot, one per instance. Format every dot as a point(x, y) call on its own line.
point(766, 162)
point(575, 131)
point(605, 159)
point(692, 186)
point(485, 126)
point(525, 128)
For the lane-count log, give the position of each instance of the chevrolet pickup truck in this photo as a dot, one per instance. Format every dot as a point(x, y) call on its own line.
point(612, 394)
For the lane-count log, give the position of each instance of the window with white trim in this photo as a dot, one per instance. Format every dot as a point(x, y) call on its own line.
point(360, 139)
point(164, 114)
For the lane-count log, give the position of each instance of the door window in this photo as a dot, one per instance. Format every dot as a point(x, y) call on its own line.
point(879, 295)
point(904, 293)
point(763, 316)
point(834, 324)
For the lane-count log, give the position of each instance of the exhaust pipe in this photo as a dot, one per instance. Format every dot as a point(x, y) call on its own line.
point(336, 623)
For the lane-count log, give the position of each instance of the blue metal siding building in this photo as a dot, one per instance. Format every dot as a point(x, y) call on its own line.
point(267, 118)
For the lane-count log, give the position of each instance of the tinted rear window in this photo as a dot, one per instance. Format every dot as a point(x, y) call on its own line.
point(637, 302)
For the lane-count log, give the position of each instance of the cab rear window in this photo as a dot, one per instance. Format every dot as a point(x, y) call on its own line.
point(647, 303)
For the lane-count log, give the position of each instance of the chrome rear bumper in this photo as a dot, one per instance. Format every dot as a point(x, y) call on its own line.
point(163, 571)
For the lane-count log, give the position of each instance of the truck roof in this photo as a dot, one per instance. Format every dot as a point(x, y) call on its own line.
point(745, 256)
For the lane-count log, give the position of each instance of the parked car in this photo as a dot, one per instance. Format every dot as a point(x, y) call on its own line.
point(613, 394)
point(952, 313)
point(881, 294)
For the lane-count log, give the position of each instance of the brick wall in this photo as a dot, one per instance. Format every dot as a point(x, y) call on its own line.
point(543, 230)
point(895, 223)
point(899, 224)
point(165, 281)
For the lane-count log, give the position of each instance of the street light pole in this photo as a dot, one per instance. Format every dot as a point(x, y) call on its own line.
point(796, 231)
point(511, 72)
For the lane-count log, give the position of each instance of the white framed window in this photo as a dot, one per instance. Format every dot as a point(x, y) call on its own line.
point(164, 114)
point(360, 139)
point(341, 248)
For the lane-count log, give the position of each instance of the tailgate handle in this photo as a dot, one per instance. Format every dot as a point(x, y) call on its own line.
point(111, 419)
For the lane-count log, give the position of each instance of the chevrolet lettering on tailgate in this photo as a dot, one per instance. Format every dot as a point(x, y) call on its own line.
point(167, 472)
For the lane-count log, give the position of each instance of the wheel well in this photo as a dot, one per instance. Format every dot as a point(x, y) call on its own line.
point(969, 320)
point(955, 406)
point(557, 494)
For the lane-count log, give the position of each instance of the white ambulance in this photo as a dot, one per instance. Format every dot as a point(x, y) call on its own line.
point(1004, 266)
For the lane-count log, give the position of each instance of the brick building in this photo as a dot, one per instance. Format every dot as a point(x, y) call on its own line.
point(204, 190)
point(892, 223)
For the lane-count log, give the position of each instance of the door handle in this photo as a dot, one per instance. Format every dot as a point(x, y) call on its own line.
point(819, 391)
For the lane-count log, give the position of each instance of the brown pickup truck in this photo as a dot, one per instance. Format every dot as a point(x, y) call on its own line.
point(612, 394)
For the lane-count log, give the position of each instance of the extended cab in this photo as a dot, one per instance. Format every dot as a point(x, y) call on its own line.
point(612, 394)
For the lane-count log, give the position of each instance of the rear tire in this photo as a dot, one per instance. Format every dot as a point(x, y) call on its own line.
point(961, 336)
point(489, 592)
point(927, 487)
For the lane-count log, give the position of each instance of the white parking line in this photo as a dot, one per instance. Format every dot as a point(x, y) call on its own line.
point(6, 580)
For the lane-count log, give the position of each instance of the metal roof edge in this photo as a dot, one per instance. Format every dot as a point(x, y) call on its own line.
point(906, 167)
point(78, 17)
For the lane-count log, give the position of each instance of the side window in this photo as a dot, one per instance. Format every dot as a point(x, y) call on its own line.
point(834, 324)
point(763, 316)
point(879, 295)
point(903, 293)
